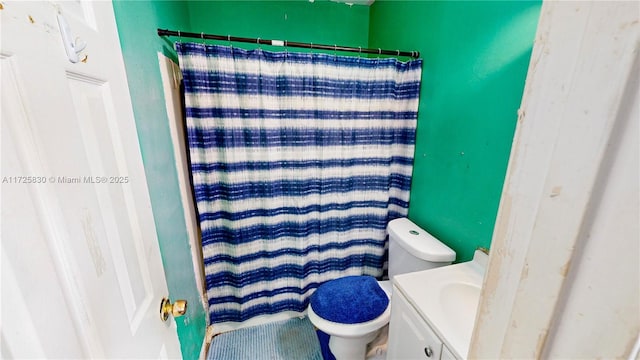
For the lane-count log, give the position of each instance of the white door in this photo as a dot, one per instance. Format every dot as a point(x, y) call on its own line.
point(81, 273)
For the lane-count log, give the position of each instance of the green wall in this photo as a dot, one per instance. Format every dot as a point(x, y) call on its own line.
point(476, 55)
point(137, 22)
point(321, 22)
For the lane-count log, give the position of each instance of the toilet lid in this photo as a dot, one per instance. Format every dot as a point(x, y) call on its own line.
point(349, 300)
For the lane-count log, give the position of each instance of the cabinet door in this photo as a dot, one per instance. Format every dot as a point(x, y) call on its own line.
point(410, 337)
point(447, 354)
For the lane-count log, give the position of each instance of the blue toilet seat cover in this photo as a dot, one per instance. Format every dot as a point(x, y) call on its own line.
point(349, 300)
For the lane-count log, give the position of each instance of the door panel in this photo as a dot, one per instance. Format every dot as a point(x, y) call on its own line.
point(92, 101)
point(81, 269)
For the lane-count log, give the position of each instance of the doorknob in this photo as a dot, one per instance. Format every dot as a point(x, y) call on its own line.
point(178, 308)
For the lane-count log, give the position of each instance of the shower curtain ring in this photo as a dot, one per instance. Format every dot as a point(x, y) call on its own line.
point(202, 37)
point(359, 51)
point(230, 44)
point(179, 36)
point(398, 52)
point(379, 52)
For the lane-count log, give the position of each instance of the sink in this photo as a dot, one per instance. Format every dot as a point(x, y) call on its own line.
point(447, 299)
point(459, 303)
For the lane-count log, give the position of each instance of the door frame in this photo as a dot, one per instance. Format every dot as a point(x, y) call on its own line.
point(171, 78)
point(580, 98)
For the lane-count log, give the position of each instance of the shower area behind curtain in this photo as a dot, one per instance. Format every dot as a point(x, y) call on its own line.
point(299, 161)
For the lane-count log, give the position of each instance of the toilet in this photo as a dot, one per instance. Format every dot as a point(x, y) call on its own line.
point(410, 249)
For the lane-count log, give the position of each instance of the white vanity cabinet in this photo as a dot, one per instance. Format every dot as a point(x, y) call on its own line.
point(447, 354)
point(410, 337)
point(433, 311)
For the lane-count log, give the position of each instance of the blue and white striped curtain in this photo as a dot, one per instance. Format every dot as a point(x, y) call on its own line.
point(299, 161)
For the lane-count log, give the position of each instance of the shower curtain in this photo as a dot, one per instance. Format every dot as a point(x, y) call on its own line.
point(298, 162)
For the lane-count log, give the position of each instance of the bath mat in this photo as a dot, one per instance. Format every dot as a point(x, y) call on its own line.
point(283, 340)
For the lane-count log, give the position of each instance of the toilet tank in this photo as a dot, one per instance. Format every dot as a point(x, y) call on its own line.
point(411, 248)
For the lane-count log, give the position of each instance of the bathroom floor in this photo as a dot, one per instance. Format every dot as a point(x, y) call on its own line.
point(284, 340)
point(377, 349)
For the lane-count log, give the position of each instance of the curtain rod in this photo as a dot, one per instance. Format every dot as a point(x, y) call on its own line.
point(164, 32)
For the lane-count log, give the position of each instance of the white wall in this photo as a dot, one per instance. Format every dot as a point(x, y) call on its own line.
point(563, 277)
